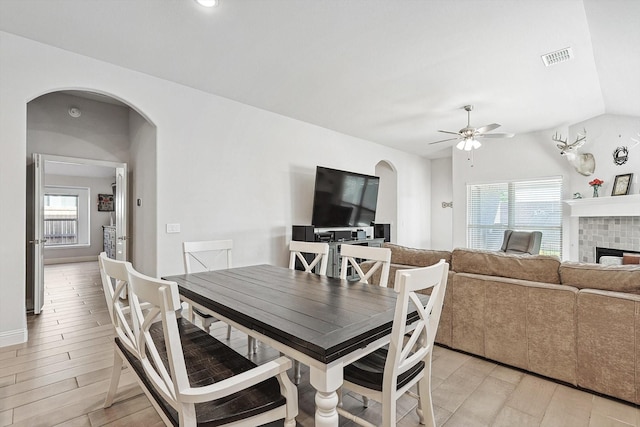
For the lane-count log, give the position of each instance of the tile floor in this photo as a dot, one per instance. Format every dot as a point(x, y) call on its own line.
point(60, 377)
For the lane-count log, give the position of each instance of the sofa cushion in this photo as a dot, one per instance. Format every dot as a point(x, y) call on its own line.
point(416, 257)
point(535, 268)
point(617, 278)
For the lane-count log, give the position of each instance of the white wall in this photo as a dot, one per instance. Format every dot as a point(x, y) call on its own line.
point(441, 192)
point(604, 134)
point(142, 186)
point(387, 209)
point(224, 169)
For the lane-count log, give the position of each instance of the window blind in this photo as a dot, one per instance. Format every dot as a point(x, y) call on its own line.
point(534, 205)
point(60, 219)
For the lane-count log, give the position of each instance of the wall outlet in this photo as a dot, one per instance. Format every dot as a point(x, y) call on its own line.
point(173, 228)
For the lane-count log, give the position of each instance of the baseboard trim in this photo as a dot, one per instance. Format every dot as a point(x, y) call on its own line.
point(51, 261)
point(17, 336)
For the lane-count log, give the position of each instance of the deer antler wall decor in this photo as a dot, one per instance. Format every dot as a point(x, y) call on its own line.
point(583, 163)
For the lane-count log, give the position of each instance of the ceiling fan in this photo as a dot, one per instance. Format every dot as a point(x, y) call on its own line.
point(469, 136)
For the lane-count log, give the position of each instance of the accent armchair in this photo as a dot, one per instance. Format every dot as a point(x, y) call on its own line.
point(521, 242)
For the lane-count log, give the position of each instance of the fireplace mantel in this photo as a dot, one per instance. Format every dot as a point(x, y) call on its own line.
point(628, 205)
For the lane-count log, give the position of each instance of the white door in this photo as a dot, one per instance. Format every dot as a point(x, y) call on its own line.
point(121, 212)
point(37, 238)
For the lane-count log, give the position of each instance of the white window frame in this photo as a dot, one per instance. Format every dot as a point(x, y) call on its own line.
point(551, 226)
point(84, 218)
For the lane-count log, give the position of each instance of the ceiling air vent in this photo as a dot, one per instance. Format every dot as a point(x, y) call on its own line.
point(558, 56)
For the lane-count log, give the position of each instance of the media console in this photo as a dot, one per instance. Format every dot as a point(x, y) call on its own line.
point(334, 261)
point(335, 239)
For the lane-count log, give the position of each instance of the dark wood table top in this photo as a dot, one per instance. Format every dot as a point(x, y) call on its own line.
point(322, 317)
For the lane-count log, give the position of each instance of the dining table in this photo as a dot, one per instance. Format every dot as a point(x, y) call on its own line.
point(323, 322)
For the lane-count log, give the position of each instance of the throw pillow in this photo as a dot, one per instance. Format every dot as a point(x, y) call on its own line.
point(630, 259)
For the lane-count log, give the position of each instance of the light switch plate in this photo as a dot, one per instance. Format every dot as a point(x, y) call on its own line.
point(173, 228)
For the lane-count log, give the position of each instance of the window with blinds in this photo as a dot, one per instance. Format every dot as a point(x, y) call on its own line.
point(534, 205)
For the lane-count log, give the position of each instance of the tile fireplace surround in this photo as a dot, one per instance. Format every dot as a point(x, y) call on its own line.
point(609, 222)
point(616, 232)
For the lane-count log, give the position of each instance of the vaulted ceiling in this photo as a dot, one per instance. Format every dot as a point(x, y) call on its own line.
point(389, 71)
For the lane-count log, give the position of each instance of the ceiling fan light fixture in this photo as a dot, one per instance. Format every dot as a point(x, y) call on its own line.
point(468, 136)
point(468, 144)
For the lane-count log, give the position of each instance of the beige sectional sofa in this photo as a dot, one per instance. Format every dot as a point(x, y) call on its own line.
point(576, 323)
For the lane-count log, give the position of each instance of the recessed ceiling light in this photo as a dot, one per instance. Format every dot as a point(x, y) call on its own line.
point(207, 3)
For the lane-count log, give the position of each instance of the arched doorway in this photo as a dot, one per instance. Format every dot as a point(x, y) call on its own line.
point(97, 128)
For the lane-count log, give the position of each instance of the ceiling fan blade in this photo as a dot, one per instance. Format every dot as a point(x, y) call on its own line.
point(448, 131)
point(443, 140)
point(496, 135)
point(487, 128)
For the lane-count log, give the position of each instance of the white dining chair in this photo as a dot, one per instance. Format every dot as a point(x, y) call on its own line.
point(115, 279)
point(353, 255)
point(189, 376)
point(209, 255)
point(200, 253)
point(114, 284)
point(389, 372)
point(320, 251)
point(298, 250)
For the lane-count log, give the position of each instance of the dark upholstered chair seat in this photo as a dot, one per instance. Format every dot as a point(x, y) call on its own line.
point(369, 371)
point(202, 313)
point(208, 361)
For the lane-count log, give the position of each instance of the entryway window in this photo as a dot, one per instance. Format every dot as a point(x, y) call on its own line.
point(66, 216)
point(533, 205)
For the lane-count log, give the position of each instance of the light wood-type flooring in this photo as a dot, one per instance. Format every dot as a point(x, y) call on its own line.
point(60, 377)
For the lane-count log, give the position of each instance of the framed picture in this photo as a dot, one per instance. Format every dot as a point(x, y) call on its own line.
point(622, 184)
point(105, 203)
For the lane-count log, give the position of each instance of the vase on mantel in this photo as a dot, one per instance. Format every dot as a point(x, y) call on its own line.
point(596, 183)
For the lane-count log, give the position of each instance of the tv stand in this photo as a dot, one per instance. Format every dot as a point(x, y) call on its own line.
point(334, 261)
point(335, 239)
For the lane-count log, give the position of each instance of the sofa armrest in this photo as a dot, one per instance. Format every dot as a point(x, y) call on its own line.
point(616, 278)
point(608, 346)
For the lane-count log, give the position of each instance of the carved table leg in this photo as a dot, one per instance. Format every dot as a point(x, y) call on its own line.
point(326, 414)
point(326, 382)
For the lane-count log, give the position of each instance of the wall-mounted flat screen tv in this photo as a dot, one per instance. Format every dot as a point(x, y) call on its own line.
point(344, 199)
